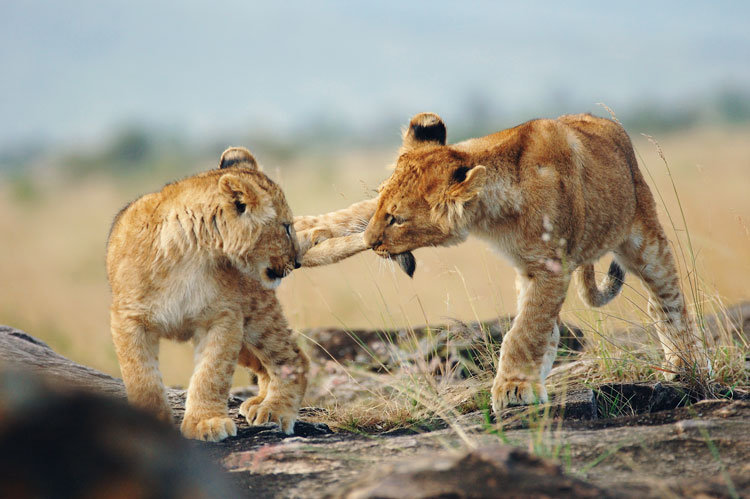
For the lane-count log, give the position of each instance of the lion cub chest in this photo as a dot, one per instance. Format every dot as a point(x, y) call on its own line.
point(184, 297)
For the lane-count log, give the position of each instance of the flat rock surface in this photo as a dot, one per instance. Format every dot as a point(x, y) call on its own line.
point(573, 448)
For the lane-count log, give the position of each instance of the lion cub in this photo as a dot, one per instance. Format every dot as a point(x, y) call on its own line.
point(553, 196)
point(200, 260)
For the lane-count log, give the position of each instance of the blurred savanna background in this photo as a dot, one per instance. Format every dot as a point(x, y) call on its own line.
point(104, 101)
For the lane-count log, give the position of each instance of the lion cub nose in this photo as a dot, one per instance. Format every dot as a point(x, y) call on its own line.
point(372, 241)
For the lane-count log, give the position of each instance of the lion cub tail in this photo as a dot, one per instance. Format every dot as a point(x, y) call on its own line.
point(596, 296)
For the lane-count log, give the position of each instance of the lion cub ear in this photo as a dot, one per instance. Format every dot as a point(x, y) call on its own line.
point(466, 183)
point(237, 156)
point(423, 129)
point(247, 197)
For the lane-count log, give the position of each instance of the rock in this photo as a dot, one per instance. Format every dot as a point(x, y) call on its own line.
point(432, 345)
point(732, 321)
point(22, 350)
point(615, 400)
point(272, 431)
point(487, 472)
point(19, 348)
point(576, 404)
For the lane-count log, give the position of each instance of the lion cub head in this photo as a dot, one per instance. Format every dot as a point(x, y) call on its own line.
point(256, 220)
point(423, 202)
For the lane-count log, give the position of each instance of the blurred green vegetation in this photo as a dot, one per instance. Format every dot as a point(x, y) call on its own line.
point(726, 107)
point(22, 187)
point(133, 150)
point(140, 150)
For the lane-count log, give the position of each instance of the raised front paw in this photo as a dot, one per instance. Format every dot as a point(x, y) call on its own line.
point(512, 391)
point(208, 429)
point(259, 413)
point(303, 222)
point(308, 238)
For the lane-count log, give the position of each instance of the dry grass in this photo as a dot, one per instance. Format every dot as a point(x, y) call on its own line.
point(54, 286)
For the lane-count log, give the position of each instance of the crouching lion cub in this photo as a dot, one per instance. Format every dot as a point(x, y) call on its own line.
point(200, 260)
point(553, 196)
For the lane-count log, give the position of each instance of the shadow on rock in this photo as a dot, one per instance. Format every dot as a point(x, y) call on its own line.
point(487, 472)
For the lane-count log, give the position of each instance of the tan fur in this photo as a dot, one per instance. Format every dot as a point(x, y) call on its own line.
point(553, 196)
point(329, 238)
point(199, 260)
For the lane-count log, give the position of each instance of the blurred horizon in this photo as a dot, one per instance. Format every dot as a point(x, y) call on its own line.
point(81, 73)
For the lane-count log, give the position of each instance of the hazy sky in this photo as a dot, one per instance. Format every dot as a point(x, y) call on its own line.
point(74, 70)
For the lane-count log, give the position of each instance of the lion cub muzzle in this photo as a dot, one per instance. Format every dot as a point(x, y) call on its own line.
point(375, 235)
point(276, 269)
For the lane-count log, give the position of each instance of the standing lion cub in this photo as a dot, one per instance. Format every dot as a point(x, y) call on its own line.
point(553, 196)
point(199, 260)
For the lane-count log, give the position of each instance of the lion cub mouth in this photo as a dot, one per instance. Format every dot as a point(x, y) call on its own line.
point(272, 278)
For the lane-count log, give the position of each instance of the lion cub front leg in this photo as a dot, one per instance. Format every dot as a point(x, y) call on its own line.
point(309, 238)
point(336, 231)
point(138, 354)
point(525, 356)
point(333, 250)
point(206, 416)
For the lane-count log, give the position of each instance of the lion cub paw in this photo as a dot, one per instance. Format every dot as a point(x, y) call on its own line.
point(270, 411)
point(687, 370)
point(513, 392)
point(308, 238)
point(248, 403)
point(208, 429)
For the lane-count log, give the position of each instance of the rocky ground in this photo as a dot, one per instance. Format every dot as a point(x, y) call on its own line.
point(701, 450)
point(607, 440)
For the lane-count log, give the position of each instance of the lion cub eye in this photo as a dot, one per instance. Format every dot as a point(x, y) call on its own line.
point(395, 219)
point(240, 206)
point(288, 228)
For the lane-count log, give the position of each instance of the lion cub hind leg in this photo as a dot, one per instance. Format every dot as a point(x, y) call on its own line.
point(285, 369)
point(206, 416)
point(527, 350)
point(138, 354)
point(647, 254)
point(253, 364)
